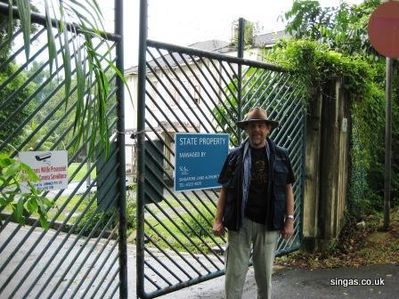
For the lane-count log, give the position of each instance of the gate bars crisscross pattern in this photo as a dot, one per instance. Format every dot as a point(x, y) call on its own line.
point(190, 90)
point(78, 257)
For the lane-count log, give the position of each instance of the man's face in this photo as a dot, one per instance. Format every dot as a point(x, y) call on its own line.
point(257, 133)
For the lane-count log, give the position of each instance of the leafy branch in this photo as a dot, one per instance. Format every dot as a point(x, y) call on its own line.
point(17, 191)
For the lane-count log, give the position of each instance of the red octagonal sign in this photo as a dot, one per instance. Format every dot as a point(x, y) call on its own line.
point(383, 29)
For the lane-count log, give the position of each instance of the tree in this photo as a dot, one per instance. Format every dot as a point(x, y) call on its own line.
point(342, 28)
point(10, 124)
point(83, 18)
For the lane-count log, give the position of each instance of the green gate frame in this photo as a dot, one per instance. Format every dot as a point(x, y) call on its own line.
point(174, 243)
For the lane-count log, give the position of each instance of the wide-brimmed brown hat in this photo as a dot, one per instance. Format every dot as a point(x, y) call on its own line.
point(256, 114)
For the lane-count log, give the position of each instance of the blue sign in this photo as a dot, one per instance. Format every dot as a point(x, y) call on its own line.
point(199, 160)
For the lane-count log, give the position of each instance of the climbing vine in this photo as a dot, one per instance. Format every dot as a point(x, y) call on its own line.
point(315, 65)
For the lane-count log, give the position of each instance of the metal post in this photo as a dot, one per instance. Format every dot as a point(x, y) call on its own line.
point(140, 149)
point(241, 31)
point(240, 54)
point(121, 153)
point(388, 141)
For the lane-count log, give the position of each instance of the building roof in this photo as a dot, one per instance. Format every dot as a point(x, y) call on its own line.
point(216, 46)
point(267, 40)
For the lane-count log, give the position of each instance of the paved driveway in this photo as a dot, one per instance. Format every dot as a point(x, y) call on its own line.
point(298, 283)
point(287, 283)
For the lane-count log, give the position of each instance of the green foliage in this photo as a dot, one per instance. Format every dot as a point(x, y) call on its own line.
point(305, 18)
point(52, 112)
point(97, 219)
point(367, 132)
point(316, 65)
point(342, 28)
point(336, 46)
point(131, 207)
point(9, 120)
point(91, 105)
point(89, 17)
point(199, 225)
point(13, 174)
point(91, 120)
point(81, 173)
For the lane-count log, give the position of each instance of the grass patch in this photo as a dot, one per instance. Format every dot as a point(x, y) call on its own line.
point(72, 205)
point(57, 205)
point(81, 173)
point(97, 219)
point(183, 233)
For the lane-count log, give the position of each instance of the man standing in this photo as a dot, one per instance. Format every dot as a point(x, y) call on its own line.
point(256, 202)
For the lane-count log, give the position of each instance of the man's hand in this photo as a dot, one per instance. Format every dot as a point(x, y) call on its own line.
point(218, 228)
point(288, 229)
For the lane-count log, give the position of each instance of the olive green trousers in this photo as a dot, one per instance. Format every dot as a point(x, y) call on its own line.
point(254, 236)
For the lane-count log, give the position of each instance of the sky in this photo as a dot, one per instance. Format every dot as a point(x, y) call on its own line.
point(183, 22)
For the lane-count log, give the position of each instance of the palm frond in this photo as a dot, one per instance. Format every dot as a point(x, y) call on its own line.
point(71, 26)
point(52, 51)
point(93, 14)
point(25, 16)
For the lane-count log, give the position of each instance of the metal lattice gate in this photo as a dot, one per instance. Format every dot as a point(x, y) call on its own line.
point(83, 253)
point(188, 90)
